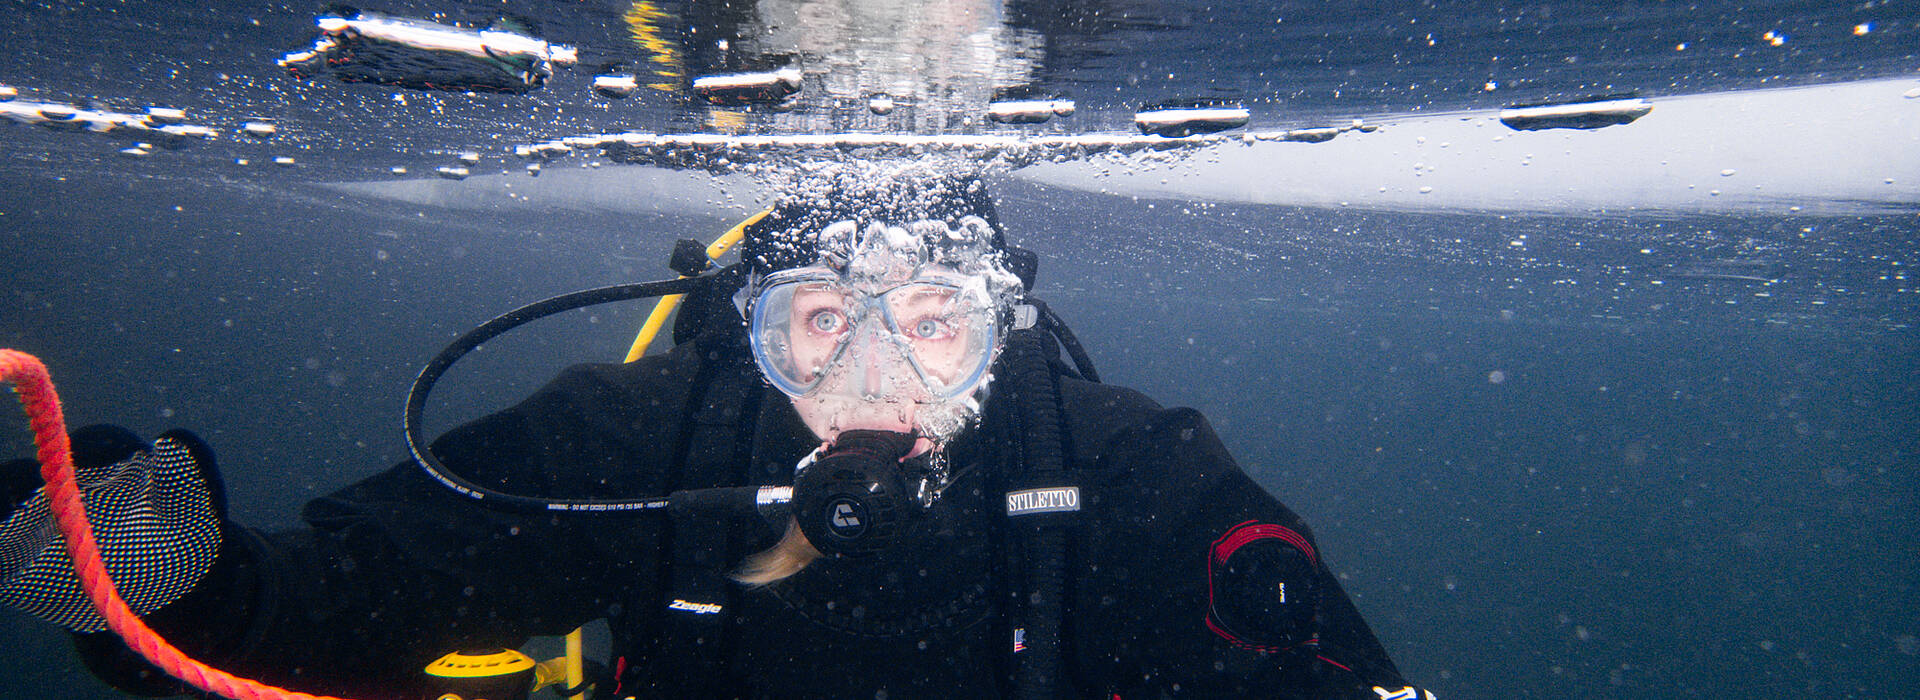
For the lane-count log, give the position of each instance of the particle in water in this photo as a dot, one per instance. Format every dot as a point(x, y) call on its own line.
point(1862, 28)
point(1496, 377)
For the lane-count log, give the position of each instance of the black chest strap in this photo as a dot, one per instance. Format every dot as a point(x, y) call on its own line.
point(1041, 507)
point(698, 612)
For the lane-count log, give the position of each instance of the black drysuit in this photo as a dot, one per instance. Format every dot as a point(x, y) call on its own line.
point(397, 570)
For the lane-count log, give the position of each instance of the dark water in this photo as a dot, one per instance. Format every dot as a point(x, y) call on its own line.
point(1557, 488)
point(1643, 456)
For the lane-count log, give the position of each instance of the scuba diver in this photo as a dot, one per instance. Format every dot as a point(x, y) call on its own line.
point(940, 507)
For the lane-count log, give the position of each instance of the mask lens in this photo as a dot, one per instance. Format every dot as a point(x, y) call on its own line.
point(948, 332)
point(935, 335)
point(799, 328)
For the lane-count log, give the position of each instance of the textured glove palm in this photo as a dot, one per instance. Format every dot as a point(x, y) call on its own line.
point(156, 514)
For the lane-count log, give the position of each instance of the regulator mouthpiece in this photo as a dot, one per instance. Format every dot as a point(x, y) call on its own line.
point(856, 498)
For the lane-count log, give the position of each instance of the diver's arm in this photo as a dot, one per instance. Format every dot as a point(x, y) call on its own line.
point(1222, 590)
point(397, 570)
point(158, 516)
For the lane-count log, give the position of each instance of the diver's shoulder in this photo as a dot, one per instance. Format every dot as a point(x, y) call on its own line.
point(1109, 402)
point(651, 370)
point(1105, 418)
point(1122, 407)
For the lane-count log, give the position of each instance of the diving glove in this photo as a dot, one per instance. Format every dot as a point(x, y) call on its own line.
point(156, 513)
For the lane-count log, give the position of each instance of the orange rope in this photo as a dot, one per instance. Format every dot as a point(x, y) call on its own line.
point(31, 382)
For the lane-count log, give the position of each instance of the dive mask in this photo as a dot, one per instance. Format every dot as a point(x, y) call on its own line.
point(876, 320)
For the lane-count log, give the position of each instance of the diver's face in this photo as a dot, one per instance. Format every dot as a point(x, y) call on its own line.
point(893, 328)
point(874, 361)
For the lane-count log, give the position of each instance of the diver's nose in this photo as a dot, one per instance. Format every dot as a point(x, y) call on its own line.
point(873, 379)
point(876, 365)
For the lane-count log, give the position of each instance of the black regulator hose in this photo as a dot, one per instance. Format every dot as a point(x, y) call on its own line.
point(1058, 327)
point(770, 504)
point(856, 499)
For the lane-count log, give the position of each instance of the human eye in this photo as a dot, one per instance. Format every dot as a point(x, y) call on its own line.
point(826, 321)
point(932, 328)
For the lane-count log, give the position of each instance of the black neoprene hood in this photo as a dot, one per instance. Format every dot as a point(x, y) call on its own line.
point(787, 237)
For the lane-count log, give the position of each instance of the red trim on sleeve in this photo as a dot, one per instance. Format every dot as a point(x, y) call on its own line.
point(1253, 531)
point(1231, 541)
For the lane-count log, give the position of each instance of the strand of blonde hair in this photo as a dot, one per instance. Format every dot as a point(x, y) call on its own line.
point(784, 559)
